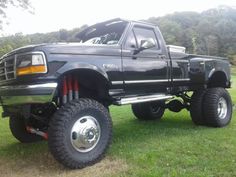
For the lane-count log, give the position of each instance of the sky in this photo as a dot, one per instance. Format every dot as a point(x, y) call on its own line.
point(52, 15)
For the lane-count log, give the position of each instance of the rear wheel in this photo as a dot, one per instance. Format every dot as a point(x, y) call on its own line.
point(217, 107)
point(149, 110)
point(80, 133)
point(196, 107)
point(19, 131)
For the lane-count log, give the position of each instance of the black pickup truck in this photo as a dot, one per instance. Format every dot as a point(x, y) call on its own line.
point(62, 92)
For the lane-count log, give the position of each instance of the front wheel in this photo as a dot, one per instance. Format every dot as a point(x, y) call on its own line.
point(18, 129)
point(217, 107)
point(80, 133)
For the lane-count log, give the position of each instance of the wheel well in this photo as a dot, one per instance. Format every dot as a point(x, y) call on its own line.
point(218, 79)
point(91, 84)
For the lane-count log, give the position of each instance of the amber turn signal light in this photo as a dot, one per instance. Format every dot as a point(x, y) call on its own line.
point(31, 70)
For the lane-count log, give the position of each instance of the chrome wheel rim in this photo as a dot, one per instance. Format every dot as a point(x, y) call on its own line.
point(222, 108)
point(85, 134)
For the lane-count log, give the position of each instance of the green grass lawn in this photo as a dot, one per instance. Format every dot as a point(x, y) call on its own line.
point(233, 70)
point(173, 146)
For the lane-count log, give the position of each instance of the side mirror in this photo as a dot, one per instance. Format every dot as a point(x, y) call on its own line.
point(145, 44)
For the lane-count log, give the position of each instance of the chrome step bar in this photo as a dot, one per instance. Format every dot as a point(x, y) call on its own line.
point(141, 99)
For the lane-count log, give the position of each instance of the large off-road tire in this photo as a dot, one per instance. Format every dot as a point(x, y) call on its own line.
point(217, 107)
point(18, 130)
point(80, 133)
point(148, 111)
point(196, 107)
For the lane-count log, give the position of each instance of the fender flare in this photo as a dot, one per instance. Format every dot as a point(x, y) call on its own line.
point(213, 71)
point(76, 66)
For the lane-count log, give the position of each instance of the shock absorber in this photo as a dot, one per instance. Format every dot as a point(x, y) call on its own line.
point(76, 88)
point(70, 88)
point(70, 93)
point(64, 91)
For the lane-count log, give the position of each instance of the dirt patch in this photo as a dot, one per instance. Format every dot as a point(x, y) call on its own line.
point(46, 166)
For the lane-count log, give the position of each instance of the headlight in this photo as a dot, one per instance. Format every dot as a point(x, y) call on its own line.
point(31, 63)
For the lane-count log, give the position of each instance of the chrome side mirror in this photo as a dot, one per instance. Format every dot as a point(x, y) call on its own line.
point(147, 44)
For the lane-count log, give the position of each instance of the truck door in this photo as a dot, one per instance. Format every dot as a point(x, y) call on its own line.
point(146, 70)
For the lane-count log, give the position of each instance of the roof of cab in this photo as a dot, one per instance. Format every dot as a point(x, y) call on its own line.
point(125, 20)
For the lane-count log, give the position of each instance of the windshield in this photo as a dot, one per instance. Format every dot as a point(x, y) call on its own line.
point(108, 33)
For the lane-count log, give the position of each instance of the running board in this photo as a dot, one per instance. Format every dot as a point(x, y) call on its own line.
point(141, 99)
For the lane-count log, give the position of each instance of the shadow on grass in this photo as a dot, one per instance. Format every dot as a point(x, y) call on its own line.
point(127, 130)
point(17, 149)
point(170, 126)
point(35, 160)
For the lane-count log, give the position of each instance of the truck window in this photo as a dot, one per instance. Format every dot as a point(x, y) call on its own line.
point(131, 41)
point(144, 34)
point(103, 33)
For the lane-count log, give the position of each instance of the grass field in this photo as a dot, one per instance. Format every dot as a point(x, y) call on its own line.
point(233, 70)
point(170, 147)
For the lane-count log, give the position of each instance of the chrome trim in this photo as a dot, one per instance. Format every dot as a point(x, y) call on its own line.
point(141, 99)
point(6, 72)
point(85, 134)
point(25, 99)
point(21, 87)
point(145, 81)
point(202, 63)
point(14, 100)
point(222, 108)
point(183, 79)
point(117, 82)
point(116, 91)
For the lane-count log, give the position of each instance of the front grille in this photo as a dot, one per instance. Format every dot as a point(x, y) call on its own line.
point(7, 68)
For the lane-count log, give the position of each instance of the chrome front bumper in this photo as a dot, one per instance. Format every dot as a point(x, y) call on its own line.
point(27, 94)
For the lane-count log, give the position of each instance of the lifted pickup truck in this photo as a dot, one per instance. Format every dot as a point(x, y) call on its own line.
point(62, 92)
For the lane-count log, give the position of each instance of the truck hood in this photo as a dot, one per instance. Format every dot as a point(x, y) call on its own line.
point(81, 49)
point(70, 48)
point(24, 49)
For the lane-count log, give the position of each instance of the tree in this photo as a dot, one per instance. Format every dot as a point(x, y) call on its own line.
point(212, 32)
point(63, 35)
point(4, 4)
